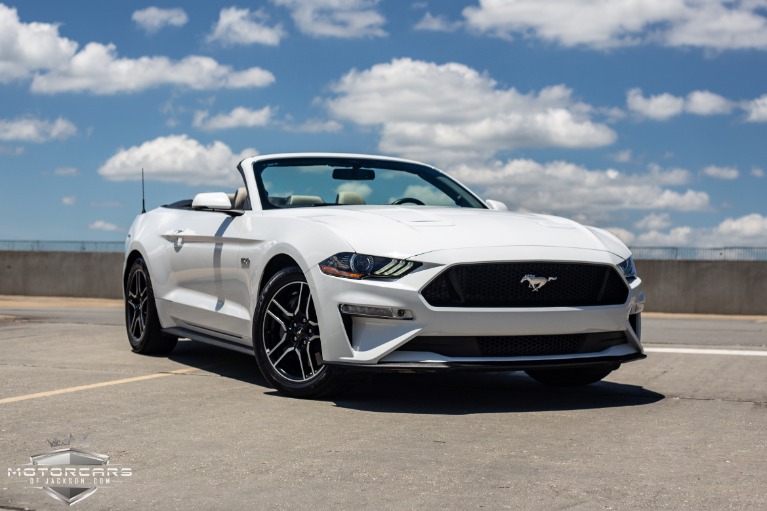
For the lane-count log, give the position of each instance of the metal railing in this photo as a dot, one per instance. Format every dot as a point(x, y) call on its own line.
point(700, 254)
point(62, 246)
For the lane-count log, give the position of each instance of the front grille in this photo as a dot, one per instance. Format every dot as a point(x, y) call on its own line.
point(502, 285)
point(515, 345)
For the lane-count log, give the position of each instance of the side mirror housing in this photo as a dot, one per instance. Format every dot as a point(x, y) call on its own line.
point(496, 205)
point(212, 200)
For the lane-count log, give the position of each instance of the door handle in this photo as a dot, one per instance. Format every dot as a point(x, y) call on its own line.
point(176, 236)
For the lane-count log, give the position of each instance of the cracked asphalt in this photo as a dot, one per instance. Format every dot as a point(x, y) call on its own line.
point(200, 429)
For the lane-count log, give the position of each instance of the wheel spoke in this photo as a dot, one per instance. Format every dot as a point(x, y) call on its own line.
point(270, 351)
point(298, 303)
point(282, 309)
point(308, 304)
point(300, 363)
point(278, 320)
point(309, 355)
point(277, 362)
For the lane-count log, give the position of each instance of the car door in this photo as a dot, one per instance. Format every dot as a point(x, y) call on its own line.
point(210, 281)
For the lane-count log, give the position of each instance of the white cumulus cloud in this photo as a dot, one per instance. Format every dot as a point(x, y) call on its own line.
point(665, 106)
point(756, 110)
point(102, 225)
point(98, 69)
point(244, 27)
point(450, 111)
point(746, 231)
point(27, 47)
point(176, 158)
point(717, 172)
point(239, 117)
point(29, 129)
point(577, 192)
point(757, 171)
point(654, 222)
point(313, 126)
point(703, 102)
point(152, 19)
point(659, 107)
point(336, 18)
point(437, 23)
point(603, 24)
point(37, 51)
point(69, 200)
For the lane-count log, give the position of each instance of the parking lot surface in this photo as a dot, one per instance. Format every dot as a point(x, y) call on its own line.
point(684, 429)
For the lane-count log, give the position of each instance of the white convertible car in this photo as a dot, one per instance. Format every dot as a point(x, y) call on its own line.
point(327, 264)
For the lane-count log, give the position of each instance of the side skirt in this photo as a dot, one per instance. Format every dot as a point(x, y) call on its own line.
point(208, 339)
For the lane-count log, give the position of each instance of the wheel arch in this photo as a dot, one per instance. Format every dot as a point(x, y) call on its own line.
point(276, 263)
point(129, 260)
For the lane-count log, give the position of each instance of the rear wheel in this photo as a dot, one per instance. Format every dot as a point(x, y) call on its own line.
point(570, 377)
point(141, 321)
point(286, 338)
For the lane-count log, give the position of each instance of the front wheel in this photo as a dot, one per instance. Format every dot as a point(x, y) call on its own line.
point(571, 376)
point(286, 338)
point(141, 321)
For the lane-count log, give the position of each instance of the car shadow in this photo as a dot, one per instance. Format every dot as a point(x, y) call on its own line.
point(461, 393)
point(448, 393)
point(219, 361)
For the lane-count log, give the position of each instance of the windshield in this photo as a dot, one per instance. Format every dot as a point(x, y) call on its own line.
point(312, 182)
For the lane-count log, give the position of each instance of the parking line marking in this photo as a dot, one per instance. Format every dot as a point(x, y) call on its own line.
point(67, 390)
point(702, 351)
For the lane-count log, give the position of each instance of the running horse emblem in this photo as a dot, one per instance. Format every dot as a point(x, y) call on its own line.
point(535, 283)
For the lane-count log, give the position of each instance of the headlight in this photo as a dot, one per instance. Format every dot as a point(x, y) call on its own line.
point(361, 266)
point(628, 268)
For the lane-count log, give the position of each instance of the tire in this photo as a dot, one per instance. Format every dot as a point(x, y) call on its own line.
point(570, 377)
point(141, 321)
point(286, 339)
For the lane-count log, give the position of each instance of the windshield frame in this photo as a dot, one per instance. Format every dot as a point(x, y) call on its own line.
point(440, 180)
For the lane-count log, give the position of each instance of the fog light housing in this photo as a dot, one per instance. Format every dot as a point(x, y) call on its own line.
point(376, 312)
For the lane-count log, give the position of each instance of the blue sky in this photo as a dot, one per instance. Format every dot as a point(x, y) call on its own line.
point(646, 118)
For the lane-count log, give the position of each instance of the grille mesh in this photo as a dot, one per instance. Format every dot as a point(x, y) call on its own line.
point(529, 345)
point(516, 345)
point(500, 285)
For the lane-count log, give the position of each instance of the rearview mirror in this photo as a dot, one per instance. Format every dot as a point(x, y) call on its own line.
point(354, 174)
point(212, 200)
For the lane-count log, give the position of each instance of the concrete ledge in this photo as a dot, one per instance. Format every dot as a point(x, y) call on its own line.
point(705, 287)
point(693, 287)
point(79, 274)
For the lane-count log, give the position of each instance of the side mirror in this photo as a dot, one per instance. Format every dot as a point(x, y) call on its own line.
point(496, 205)
point(212, 200)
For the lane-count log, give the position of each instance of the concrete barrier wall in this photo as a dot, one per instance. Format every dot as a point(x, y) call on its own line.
point(703, 287)
point(80, 274)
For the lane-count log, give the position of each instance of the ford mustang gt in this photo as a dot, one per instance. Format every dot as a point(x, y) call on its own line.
point(323, 265)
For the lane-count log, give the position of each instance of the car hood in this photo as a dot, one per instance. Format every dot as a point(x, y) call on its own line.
point(422, 229)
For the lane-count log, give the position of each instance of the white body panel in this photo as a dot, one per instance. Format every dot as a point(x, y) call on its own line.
point(206, 268)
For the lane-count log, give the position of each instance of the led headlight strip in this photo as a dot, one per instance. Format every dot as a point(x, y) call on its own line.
point(362, 266)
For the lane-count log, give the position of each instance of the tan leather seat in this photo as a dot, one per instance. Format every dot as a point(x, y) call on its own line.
point(349, 198)
point(305, 200)
point(241, 199)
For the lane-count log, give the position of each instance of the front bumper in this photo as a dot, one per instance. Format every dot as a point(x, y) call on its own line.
point(375, 342)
